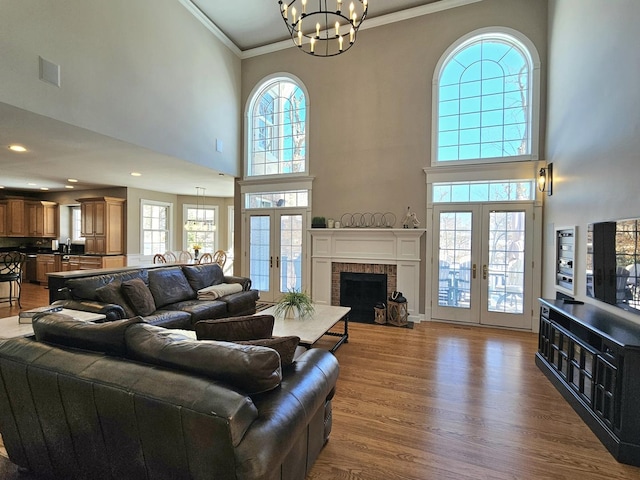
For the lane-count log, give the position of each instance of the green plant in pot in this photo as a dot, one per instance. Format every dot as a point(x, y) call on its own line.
point(294, 302)
point(318, 222)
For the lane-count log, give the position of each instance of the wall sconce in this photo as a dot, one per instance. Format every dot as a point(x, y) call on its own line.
point(545, 179)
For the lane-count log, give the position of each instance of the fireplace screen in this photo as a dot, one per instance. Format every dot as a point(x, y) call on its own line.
point(361, 292)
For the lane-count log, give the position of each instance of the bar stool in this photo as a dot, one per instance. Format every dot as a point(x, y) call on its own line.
point(11, 267)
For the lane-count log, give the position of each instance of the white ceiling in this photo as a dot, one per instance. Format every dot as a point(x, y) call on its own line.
point(58, 151)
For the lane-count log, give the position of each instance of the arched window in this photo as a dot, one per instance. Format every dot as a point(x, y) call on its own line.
point(486, 99)
point(277, 128)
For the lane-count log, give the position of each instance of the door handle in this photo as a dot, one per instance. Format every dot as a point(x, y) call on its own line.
point(277, 262)
point(484, 272)
point(474, 270)
point(271, 261)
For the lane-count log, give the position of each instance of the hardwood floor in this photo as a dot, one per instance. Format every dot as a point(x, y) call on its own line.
point(443, 401)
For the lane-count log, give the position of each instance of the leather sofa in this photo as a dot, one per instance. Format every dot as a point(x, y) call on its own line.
point(166, 296)
point(129, 400)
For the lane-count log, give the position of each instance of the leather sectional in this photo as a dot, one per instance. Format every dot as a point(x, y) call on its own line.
point(166, 296)
point(129, 400)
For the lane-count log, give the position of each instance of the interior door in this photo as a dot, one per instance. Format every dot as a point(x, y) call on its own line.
point(276, 251)
point(481, 273)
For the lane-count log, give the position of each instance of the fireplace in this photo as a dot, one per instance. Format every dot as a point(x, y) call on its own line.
point(394, 252)
point(361, 292)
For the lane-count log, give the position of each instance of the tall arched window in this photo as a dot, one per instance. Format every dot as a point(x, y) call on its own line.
point(277, 118)
point(486, 99)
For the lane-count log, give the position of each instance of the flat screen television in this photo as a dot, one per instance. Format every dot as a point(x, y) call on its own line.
point(613, 263)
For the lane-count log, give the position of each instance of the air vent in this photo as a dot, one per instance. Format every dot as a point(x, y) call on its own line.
point(49, 72)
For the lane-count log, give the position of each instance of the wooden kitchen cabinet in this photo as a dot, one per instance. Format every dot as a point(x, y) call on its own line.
point(3, 219)
point(90, 262)
point(46, 263)
point(20, 217)
point(42, 219)
point(102, 225)
point(15, 225)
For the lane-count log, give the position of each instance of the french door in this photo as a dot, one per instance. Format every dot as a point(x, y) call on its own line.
point(275, 250)
point(482, 264)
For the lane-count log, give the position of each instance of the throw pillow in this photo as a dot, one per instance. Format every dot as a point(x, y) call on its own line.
point(169, 285)
point(285, 346)
point(205, 275)
point(64, 330)
point(233, 329)
point(139, 296)
point(253, 369)
point(111, 293)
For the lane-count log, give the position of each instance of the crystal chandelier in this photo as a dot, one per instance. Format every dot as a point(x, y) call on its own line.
point(200, 223)
point(326, 30)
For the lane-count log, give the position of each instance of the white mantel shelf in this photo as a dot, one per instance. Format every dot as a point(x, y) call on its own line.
point(389, 246)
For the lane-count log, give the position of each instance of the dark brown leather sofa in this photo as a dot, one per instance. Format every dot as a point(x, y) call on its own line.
point(128, 400)
point(168, 297)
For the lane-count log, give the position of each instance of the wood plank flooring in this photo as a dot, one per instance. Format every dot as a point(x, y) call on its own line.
point(442, 401)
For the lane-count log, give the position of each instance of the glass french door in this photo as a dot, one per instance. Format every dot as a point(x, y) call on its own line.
point(275, 251)
point(482, 264)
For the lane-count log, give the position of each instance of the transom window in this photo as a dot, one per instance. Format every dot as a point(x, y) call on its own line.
point(492, 191)
point(484, 98)
point(277, 129)
point(290, 198)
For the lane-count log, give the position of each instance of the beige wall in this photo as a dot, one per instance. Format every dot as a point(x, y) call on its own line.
point(370, 109)
point(144, 71)
point(593, 122)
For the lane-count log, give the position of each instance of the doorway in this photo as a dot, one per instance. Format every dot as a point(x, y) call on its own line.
point(275, 250)
point(482, 264)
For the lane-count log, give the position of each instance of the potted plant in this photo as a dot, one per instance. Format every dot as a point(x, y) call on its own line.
point(318, 222)
point(196, 250)
point(294, 302)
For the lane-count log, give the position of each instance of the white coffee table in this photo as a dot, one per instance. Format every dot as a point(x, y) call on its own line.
point(10, 328)
point(313, 327)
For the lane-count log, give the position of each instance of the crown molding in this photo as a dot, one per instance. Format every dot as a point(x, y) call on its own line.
point(284, 44)
point(212, 27)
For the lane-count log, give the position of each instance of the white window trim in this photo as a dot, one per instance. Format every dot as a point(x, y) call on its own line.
point(216, 235)
point(248, 126)
point(144, 202)
point(534, 95)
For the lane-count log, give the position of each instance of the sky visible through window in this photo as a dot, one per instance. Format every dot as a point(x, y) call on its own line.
point(278, 130)
point(484, 102)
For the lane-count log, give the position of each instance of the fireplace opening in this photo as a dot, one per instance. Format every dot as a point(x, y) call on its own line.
point(361, 292)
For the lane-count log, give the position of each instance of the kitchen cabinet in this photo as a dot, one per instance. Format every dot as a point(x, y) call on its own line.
point(46, 263)
point(3, 219)
point(15, 225)
point(90, 262)
point(20, 217)
point(102, 225)
point(42, 219)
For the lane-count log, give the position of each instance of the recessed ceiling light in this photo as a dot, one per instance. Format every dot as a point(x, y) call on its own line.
point(72, 180)
point(17, 148)
point(136, 174)
point(69, 186)
point(44, 188)
point(1, 186)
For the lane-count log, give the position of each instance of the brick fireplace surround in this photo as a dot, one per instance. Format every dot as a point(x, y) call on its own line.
point(338, 267)
point(394, 252)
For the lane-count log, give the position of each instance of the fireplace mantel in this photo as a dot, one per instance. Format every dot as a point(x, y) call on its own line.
point(388, 246)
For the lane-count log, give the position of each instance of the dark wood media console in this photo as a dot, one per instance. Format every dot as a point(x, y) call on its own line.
point(593, 358)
